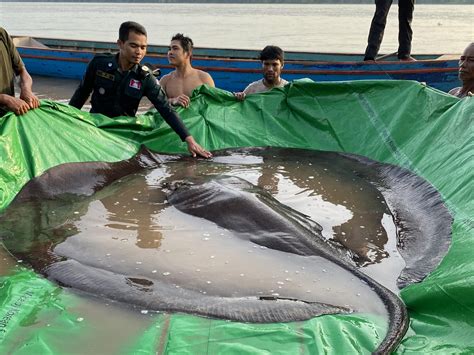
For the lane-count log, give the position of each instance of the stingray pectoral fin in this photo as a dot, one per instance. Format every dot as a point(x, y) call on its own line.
point(161, 296)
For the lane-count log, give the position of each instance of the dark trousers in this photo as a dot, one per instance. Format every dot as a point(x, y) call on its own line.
point(405, 16)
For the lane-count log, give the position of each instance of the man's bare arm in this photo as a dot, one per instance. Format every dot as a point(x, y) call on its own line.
point(164, 81)
point(27, 99)
point(206, 78)
point(26, 89)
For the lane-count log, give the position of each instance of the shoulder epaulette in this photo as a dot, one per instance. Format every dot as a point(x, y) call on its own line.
point(143, 71)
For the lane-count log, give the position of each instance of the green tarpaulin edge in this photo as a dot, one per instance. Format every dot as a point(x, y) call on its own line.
point(399, 122)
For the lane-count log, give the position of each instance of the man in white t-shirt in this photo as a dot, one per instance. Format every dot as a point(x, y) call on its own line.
point(272, 58)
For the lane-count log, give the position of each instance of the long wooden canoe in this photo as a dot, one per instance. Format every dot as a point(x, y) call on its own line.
point(233, 69)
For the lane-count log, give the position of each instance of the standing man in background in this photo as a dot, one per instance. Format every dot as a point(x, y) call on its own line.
point(118, 83)
point(180, 83)
point(405, 33)
point(10, 66)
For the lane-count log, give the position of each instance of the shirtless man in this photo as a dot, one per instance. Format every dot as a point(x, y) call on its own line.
point(180, 83)
point(466, 73)
point(272, 58)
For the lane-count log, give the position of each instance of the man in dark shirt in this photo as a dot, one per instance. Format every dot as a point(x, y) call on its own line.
point(118, 82)
point(377, 28)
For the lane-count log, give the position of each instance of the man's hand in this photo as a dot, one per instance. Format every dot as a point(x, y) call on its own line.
point(239, 96)
point(26, 91)
point(181, 100)
point(195, 149)
point(30, 99)
point(14, 104)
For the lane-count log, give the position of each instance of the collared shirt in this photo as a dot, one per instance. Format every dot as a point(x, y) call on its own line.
point(10, 63)
point(116, 93)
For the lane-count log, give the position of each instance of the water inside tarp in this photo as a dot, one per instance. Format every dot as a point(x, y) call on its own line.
point(130, 227)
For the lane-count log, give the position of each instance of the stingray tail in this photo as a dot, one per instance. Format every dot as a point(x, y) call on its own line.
point(398, 316)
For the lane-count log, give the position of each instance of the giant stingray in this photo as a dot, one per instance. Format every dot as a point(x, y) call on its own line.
point(325, 275)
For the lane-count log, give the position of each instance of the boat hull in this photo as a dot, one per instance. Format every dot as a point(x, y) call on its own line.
point(68, 59)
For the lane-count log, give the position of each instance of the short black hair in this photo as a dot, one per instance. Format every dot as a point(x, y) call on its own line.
point(127, 27)
point(186, 42)
point(272, 52)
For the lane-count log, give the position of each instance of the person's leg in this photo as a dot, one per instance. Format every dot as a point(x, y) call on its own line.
point(377, 28)
point(405, 33)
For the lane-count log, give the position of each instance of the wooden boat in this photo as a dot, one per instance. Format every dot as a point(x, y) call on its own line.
point(233, 69)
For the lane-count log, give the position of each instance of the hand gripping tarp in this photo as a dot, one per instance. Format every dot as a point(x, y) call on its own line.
point(398, 122)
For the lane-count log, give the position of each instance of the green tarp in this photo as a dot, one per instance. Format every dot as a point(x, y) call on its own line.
point(399, 122)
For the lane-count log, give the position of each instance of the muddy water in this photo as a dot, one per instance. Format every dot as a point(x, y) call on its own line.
point(134, 210)
point(330, 200)
point(129, 227)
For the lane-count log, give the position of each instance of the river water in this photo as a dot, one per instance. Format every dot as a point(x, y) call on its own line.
point(321, 27)
point(441, 29)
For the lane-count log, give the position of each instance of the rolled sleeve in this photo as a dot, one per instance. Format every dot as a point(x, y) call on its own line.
point(17, 63)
